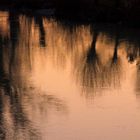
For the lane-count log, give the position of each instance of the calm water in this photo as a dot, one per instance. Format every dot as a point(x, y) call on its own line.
point(61, 81)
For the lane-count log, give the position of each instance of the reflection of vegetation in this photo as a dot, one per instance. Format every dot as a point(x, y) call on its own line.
point(15, 93)
point(115, 69)
point(65, 42)
point(93, 74)
point(89, 70)
point(115, 55)
point(18, 116)
point(39, 22)
point(91, 66)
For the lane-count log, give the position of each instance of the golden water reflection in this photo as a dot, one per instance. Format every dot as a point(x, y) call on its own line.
point(59, 80)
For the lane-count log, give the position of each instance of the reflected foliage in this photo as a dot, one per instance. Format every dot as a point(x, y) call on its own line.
point(15, 92)
point(95, 55)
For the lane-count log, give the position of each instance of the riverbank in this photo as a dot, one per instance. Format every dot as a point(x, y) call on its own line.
point(88, 11)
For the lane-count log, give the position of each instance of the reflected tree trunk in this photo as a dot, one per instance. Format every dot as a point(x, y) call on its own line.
point(115, 55)
point(91, 66)
point(39, 22)
point(14, 36)
point(91, 55)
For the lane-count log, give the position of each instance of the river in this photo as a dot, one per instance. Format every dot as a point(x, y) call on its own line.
point(65, 81)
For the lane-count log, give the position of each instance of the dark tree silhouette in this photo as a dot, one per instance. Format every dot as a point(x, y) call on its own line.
point(39, 22)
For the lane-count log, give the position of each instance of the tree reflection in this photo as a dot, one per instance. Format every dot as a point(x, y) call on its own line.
point(68, 44)
point(18, 116)
point(91, 65)
point(39, 23)
point(15, 93)
point(93, 74)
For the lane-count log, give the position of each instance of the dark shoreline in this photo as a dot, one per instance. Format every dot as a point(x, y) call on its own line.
point(99, 15)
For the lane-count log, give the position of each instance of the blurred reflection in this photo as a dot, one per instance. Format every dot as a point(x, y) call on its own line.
point(16, 106)
point(38, 54)
point(39, 23)
point(90, 65)
point(100, 65)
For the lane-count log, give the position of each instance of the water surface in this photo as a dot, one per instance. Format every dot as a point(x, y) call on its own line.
point(63, 81)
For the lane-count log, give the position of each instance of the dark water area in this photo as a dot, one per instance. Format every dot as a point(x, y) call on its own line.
point(65, 81)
